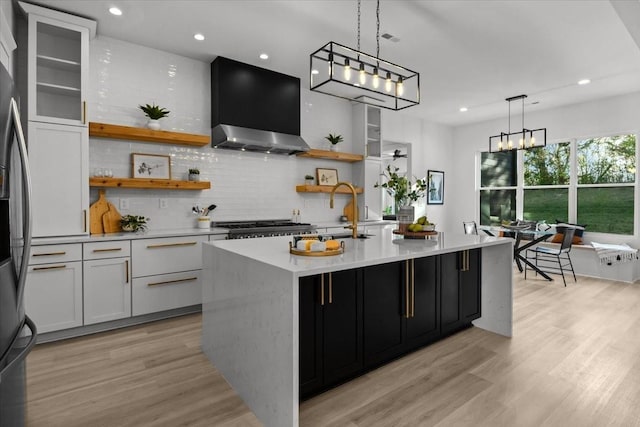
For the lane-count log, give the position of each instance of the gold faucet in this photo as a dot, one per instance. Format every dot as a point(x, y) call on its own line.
point(354, 196)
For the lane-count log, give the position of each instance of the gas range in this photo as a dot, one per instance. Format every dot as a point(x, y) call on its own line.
point(264, 228)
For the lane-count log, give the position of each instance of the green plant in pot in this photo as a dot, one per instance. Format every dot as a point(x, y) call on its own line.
point(334, 140)
point(154, 113)
point(401, 189)
point(133, 223)
point(194, 174)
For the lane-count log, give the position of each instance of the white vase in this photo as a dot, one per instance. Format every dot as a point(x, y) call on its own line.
point(194, 177)
point(332, 147)
point(153, 124)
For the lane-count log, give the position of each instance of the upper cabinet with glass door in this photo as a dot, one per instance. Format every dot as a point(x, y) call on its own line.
point(58, 65)
point(367, 130)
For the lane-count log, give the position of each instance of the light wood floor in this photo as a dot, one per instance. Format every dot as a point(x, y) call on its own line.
point(574, 360)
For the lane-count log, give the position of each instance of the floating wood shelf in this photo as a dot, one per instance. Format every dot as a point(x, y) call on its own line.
point(332, 155)
point(103, 130)
point(324, 189)
point(166, 184)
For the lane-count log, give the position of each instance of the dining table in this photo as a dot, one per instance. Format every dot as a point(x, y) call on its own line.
point(525, 239)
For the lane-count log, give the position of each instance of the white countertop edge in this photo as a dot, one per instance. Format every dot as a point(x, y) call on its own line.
point(149, 234)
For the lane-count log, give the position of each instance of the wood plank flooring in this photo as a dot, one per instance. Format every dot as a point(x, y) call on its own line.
point(574, 360)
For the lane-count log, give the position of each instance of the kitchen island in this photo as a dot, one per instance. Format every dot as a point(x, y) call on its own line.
point(251, 304)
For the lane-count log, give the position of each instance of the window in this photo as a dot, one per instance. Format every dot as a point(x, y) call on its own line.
point(606, 183)
point(541, 184)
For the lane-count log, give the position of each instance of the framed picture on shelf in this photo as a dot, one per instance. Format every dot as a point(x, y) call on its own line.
point(150, 166)
point(435, 193)
point(327, 176)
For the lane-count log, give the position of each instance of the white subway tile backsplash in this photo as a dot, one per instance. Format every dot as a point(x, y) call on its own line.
point(243, 185)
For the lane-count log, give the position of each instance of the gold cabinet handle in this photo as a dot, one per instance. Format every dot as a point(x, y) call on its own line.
point(330, 289)
point(321, 289)
point(54, 267)
point(84, 220)
point(464, 262)
point(406, 289)
point(50, 253)
point(169, 245)
point(167, 282)
point(126, 269)
point(108, 250)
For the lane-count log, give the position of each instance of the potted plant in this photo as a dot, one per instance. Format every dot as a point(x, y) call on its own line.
point(308, 179)
point(194, 174)
point(402, 190)
point(154, 113)
point(334, 140)
point(133, 223)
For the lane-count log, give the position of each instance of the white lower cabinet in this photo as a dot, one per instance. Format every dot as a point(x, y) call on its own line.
point(107, 290)
point(166, 291)
point(53, 292)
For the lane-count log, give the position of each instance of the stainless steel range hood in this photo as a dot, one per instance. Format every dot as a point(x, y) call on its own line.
point(254, 109)
point(262, 141)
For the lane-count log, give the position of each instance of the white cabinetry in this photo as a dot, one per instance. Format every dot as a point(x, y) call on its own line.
point(57, 52)
point(370, 201)
point(107, 281)
point(59, 159)
point(367, 131)
point(166, 273)
point(53, 292)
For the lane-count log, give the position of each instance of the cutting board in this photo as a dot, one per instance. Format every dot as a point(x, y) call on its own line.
point(96, 210)
point(111, 220)
point(348, 211)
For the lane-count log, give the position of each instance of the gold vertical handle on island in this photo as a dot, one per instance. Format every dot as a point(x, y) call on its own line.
point(406, 290)
point(322, 289)
point(330, 289)
point(413, 288)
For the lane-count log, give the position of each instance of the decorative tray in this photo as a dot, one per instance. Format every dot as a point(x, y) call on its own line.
point(329, 252)
point(415, 234)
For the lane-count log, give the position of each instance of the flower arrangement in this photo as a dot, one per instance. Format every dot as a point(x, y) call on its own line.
point(133, 223)
point(400, 188)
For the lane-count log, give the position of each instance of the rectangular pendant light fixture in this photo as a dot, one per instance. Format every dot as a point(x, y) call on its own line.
point(525, 139)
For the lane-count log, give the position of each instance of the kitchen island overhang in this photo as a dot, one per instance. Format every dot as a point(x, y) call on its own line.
point(250, 305)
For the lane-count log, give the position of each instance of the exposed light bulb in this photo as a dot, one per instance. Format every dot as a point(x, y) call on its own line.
point(400, 87)
point(376, 79)
point(510, 145)
point(363, 74)
point(521, 143)
point(500, 145)
point(347, 70)
point(330, 65)
point(532, 143)
point(387, 85)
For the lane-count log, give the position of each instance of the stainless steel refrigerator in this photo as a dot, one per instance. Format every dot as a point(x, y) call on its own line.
point(17, 331)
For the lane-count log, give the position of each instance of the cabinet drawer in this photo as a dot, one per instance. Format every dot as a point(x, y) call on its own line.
point(166, 291)
point(101, 250)
point(166, 255)
point(55, 253)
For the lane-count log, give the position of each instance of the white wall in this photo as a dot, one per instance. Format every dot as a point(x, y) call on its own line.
point(598, 118)
point(244, 185)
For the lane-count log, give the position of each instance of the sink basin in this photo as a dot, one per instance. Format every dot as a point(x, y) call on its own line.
point(349, 234)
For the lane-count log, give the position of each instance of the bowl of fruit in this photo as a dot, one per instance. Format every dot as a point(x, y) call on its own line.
point(421, 224)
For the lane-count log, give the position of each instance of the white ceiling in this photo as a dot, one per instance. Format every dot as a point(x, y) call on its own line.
point(469, 53)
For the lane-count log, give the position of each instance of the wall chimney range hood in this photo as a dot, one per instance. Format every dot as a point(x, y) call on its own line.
point(254, 109)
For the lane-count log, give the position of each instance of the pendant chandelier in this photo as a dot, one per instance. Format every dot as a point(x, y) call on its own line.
point(351, 74)
point(526, 137)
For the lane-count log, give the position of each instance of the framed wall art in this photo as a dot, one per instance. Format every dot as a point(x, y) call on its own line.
point(435, 194)
point(327, 176)
point(150, 166)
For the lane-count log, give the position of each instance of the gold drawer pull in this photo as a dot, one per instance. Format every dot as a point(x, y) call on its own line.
point(55, 267)
point(51, 253)
point(189, 279)
point(168, 245)
point(108, 250)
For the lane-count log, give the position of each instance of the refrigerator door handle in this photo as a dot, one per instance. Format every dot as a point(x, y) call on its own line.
point(26, 183)
point(23, 354)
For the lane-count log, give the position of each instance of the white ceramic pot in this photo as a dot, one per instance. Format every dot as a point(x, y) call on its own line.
point(194, 177)
point(333, 147)
point(153, 124)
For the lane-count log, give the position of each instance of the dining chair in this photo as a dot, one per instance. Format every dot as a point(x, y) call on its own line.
point(547, 258)
point(470, 227)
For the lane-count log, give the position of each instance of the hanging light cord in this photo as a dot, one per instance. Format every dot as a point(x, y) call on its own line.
point(358, 28)
point(378, 31)
point(523, 115)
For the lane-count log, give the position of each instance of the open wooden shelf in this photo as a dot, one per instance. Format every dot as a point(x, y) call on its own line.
point(103, 130)
point(166, 184)
point(332, 155)
point(324, 189)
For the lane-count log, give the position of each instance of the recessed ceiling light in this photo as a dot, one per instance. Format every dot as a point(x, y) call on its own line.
point(315, 72)
point(264, 56)
point(115, 11)
point(584, 82)
point(463, 109)
point(198, 37)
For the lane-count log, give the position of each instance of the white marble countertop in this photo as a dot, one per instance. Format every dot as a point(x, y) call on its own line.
point(149, 234)
point(382, 247)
